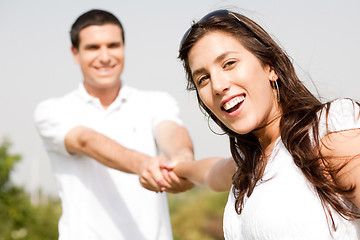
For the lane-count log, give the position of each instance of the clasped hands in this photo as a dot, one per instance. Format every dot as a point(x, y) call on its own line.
point(157, 175)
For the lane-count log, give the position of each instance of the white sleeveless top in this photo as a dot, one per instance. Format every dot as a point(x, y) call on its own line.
point(286, 207)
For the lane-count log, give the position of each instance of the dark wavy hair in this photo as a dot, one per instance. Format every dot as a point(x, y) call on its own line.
point(92, 17)
point(299, 120)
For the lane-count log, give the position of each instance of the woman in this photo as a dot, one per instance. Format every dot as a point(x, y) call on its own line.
point(294, 171)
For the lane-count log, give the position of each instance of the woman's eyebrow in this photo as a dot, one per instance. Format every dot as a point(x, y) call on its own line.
point(217, 59)
point(222, 56)
point(198, 71)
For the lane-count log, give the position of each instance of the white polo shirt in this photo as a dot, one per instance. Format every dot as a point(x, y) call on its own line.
point(99, 202)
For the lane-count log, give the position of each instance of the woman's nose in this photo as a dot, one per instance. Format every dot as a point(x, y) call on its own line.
point(220, 84)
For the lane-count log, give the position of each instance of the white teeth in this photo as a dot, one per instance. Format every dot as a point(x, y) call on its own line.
point(104, 69)
point(233, 102)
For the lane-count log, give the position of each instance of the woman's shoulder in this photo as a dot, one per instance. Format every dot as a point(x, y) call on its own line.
point(338, 115)
point(342, 105)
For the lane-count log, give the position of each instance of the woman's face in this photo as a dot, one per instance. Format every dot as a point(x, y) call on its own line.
point(232, 83)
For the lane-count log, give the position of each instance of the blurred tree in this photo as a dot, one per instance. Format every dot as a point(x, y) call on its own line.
point(18, 217)
point(197, 214)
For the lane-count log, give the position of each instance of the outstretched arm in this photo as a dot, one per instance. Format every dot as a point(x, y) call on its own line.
point(174, 141)
point(110, 153)
point(214, 173)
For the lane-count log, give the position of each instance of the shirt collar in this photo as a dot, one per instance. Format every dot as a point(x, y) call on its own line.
point(123, 96)
point(83, 93)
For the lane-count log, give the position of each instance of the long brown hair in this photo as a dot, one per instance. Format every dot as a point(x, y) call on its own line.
point(299, 123)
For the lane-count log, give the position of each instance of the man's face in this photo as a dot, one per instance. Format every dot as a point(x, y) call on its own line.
point(100, 56)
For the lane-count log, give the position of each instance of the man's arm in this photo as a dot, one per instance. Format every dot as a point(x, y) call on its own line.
point(110, 153)
point(175, 142)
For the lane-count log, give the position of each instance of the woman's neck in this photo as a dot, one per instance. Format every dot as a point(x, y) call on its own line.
point(269, 134)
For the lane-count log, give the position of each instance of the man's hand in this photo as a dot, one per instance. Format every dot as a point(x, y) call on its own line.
point(177, 184)
point(150, 175)
point(174, 141)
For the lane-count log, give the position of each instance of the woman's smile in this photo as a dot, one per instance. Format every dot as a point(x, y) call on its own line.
point(232, 105)
point(232, 82)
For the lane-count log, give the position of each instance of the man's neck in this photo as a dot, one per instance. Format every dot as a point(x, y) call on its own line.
point(106, 95)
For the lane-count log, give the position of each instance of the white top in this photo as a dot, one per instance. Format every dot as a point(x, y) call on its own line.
point(99, 202)
point(286, 206)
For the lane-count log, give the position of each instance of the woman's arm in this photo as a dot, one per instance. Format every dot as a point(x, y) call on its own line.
point(344, 148)
point(214, 173)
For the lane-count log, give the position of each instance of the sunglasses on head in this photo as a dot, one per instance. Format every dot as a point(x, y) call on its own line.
point(217, 13)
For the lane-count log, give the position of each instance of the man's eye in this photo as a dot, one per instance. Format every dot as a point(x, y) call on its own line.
point(92, 47)
point(114, 45)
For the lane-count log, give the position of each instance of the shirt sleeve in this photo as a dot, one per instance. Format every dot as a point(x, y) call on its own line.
point(164, 107)
point(343, 115)
point(53, 123)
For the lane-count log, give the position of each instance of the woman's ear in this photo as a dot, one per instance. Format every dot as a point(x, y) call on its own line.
point(272, 74)
point(273, 77)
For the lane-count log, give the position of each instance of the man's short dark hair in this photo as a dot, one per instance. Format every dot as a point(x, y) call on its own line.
point(92, 17)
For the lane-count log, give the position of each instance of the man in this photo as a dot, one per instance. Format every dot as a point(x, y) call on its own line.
point(103, 137)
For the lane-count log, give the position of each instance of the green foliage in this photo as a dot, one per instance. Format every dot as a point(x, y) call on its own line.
point(6, 164)
point(197, 214)
point(18, 217)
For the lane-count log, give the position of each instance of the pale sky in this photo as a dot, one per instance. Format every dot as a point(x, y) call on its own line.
point(322, 37)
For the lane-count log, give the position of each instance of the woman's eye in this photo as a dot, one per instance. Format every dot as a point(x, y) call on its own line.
point(229, 64)
point(202, 79)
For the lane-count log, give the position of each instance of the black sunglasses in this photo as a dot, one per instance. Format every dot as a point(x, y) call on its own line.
point(217, 13)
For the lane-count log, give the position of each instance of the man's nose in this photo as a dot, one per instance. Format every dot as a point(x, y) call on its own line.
point(104, 55)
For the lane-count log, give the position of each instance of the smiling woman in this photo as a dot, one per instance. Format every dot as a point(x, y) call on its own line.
point(294, 171)
point(232, 82)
